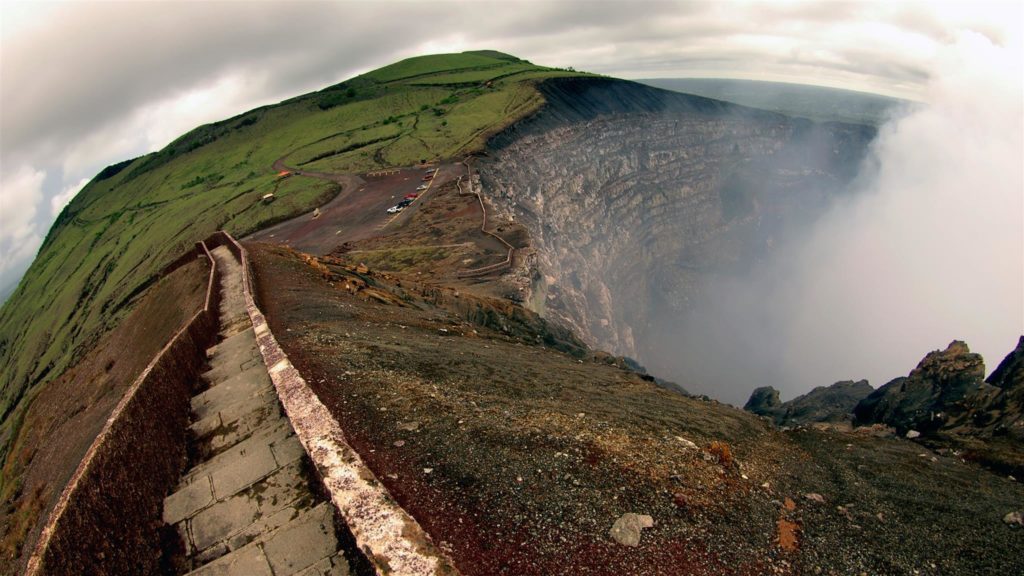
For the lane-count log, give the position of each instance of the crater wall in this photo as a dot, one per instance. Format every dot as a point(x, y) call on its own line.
point(637, 198)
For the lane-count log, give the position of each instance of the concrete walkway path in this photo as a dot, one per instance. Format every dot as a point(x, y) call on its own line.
point(247, 506)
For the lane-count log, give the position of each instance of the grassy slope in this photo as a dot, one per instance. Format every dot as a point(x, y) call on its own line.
point(108, 244)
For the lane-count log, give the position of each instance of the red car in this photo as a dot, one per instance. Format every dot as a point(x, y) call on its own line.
point(411, 196)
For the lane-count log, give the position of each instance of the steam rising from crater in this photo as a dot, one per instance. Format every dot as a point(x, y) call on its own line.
point(929, 249)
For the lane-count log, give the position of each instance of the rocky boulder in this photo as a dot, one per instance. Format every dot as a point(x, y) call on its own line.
point(925, 399)
point(764, 401)
point(997, 408)
point(626, 530)
point(833, 403)
point(1010, 372)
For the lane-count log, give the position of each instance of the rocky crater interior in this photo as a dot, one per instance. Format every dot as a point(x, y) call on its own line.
point(638, 200)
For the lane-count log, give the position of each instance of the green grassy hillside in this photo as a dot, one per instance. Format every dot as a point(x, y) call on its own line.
point(133, 218)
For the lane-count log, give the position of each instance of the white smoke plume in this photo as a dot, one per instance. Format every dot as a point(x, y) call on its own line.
point(930, 248)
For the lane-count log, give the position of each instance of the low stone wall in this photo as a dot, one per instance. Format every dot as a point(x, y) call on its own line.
point(392, 541)
point(108, 517)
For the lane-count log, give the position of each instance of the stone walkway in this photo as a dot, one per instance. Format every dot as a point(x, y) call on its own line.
point(246, 507)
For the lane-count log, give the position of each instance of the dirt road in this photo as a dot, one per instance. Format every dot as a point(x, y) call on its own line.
point(358, 212)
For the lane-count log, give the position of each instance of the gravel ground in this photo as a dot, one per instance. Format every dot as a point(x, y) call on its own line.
point(518, 458)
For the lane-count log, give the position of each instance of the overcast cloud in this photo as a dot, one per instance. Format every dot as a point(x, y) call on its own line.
point(84, 85)
point(929, 249)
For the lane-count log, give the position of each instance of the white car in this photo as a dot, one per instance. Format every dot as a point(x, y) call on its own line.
point(395, 209)
point(421, 187)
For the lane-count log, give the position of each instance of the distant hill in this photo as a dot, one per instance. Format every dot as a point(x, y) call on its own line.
point(7, 290)
point(136, 216)
point(814, 102)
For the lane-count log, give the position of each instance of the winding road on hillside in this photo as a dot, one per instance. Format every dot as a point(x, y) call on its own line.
point(356, 212)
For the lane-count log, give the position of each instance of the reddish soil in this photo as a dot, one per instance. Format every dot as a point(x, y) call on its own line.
point(74, 407)
point(787, 534)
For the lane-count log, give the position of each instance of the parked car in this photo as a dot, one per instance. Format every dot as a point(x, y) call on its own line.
point(405, 202)
point(422, 187)
point(431, 170)
point(412, 196)
point(396, 209)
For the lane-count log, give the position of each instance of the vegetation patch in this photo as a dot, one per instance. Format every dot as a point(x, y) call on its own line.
point(137, 216)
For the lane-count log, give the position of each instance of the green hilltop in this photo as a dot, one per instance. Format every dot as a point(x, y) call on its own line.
point(109, 244)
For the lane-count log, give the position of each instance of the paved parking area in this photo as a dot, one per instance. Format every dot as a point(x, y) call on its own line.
point(359, 211)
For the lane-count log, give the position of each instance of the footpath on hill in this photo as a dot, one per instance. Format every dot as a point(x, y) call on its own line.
point(247, 505)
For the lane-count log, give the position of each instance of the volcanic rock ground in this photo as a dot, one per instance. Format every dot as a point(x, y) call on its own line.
point(518, 458)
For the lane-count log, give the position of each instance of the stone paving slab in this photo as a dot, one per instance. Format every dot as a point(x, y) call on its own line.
point(187, 501)
point(264, 525)
point(281, 489)
point(207, 426)
point(237, 424)
point(230, 436)
point(239, 519)
point(240, 343)
point(336, 565)
point(230, 368)
point(245, 470)
point(249, 561)
point(250, 411)
point(251, 383)
point(287, 450)
point(261, 437)
point(251, 375)
point(223, 519)
point(303, 541)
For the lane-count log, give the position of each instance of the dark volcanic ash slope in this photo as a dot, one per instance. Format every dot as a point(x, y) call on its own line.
point(636, 197)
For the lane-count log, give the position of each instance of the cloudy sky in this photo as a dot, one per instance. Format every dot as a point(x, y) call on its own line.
point(84, 85)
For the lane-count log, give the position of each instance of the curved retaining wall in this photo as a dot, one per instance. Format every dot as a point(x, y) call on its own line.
point(391, 539)
point(107, 518)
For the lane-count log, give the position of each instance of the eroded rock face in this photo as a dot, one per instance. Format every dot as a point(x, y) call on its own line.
point(635, 197)
point(930, 395)
point(1009, 375)
point(832, 404)
point(997, 408)
point(945, 397)
point(764, 401)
